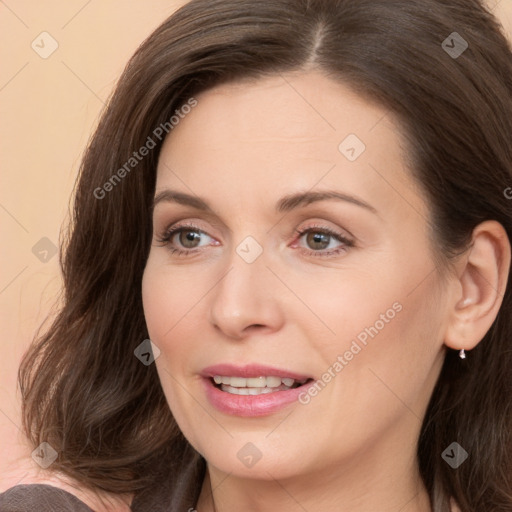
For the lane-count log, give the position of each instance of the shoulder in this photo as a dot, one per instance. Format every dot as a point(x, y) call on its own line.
point(40, 497)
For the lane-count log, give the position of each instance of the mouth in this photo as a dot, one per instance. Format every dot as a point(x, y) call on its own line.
point(256, 385)
point(253, 390)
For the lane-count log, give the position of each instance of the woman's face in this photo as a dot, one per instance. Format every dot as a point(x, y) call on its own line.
point(353, 304)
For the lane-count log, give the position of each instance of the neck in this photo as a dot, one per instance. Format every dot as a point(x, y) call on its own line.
point(359, 488)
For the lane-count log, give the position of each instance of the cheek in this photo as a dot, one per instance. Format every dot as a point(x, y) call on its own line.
point(387, 330)
point(345, 306)
point(174, 308)
point(155, 300)
point(166, 306)
point(168, 295)
point(397, 355)
point(164, 303)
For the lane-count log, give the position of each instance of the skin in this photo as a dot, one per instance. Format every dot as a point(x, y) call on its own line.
point(243, 147)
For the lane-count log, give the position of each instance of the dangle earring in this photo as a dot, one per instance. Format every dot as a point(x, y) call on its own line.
point(462, 352)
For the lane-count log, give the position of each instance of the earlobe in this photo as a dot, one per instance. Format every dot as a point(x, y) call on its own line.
point(483, 273)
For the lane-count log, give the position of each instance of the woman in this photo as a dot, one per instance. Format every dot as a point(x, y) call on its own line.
point(288, 274)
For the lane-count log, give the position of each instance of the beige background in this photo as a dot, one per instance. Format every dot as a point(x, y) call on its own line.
point(49, 107)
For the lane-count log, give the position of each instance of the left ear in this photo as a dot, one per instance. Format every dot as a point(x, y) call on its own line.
point(482, 279)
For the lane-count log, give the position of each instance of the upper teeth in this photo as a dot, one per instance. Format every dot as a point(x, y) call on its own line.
point(253, 382)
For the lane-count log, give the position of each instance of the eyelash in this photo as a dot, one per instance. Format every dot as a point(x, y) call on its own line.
point(167, 236)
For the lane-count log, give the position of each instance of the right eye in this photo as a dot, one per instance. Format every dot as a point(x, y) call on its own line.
point(187, 237)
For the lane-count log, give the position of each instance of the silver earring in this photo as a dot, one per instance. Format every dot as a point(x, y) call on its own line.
point(462, 354)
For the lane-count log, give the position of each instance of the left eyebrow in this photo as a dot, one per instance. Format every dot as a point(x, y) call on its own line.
point(292, 201)
point(285, 204)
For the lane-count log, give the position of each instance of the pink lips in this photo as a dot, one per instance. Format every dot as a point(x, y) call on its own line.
point(251, 370)
point(251, 405)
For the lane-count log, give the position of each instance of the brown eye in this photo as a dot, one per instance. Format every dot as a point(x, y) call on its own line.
point(188, 238)
point(182, 240)
point(318, 240)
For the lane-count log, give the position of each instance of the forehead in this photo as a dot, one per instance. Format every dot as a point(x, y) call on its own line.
point(298, 129)
point(297, 107)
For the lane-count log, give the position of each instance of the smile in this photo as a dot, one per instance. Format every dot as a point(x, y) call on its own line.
point(255, 385)
point(252, 390)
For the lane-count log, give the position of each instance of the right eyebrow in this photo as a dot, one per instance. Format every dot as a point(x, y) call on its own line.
point(171, 196)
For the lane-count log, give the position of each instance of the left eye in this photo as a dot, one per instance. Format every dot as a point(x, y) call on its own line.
point(318, 241)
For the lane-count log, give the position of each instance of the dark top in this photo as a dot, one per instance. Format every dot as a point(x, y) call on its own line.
point(180, 492)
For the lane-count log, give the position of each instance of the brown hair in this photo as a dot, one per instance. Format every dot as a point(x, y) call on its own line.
point(85, 392)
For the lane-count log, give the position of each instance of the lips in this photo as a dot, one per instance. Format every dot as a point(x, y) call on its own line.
point(253, 390)
point(252, 371)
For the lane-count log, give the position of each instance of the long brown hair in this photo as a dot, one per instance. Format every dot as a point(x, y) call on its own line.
point(85, 392)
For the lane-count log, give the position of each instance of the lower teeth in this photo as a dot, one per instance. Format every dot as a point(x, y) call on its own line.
point(252, 391)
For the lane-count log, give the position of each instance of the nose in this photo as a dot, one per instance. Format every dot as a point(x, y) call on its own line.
point(246, 300)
